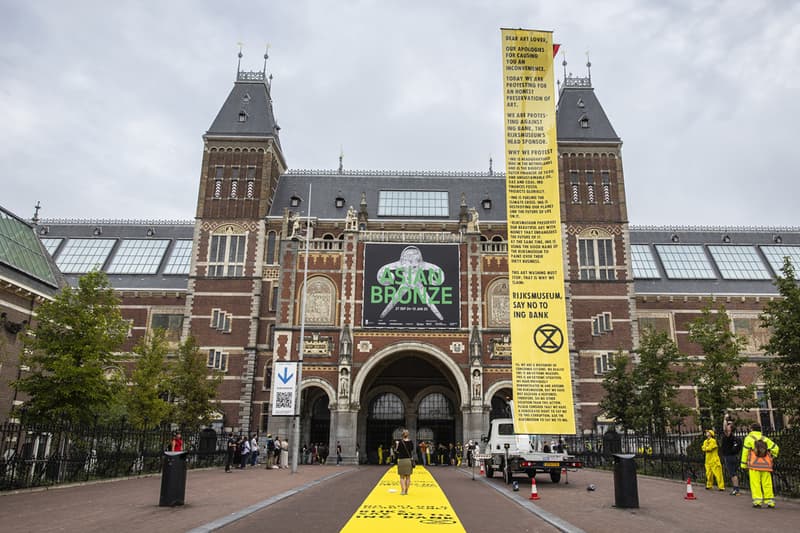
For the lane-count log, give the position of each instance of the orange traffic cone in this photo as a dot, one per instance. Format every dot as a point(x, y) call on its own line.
point(689, 491)
point(534, 492)
point(483, 472)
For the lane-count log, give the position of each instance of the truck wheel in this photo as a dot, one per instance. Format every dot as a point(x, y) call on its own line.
point(555, 476)
point(489, 471)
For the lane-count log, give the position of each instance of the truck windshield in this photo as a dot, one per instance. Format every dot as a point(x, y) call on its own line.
point(505, 429)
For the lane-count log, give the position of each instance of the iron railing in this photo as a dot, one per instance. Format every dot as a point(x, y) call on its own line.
point(42, 454)
point(678, 455)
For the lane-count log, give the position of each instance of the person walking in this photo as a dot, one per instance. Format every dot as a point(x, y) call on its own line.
point(713, 465)
point(270, 451)
point(338, 453)
point(404, 450)
point(758, 454)
point(245, 445)
point(231, 452)
point(254, 450)
point(731, 449)
point(176, 444)
point(284, 453)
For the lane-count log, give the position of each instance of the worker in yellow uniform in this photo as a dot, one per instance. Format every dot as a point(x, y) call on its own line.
point(380, 454)
point(713, 464)
point(758, 454)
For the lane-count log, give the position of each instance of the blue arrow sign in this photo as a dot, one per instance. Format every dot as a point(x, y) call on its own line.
point(286, 377)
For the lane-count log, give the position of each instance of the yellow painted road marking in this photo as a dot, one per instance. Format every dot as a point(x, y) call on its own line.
point(424, 508)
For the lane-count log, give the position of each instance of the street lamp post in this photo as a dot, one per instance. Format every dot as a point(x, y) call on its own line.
point(301, 348)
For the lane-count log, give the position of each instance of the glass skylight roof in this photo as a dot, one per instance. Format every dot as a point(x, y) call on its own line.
point(179, 259)
point(138, 256)
point(685, 261)
point(80, 256)
point(412, 203)
point(738, 262)
point(20, 249)
point(775, 255)
point(51, 245)
point(644, 265)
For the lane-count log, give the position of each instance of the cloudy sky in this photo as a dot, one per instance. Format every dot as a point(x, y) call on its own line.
point(103, 104)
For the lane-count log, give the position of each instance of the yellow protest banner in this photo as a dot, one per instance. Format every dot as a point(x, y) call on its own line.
point(424, 508)
point(540, 351)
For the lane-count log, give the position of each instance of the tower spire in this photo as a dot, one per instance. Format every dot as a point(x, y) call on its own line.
point(35, 218)
point(564, 63)
point(341, 159)
point(266, 56)
point(589, 68)
point(239, 64)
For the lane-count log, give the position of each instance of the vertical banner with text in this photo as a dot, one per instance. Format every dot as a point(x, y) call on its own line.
point(540, 351)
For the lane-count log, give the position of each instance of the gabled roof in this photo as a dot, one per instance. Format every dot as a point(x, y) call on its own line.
point(577, 103)
point(23, 259)
point(247, 112)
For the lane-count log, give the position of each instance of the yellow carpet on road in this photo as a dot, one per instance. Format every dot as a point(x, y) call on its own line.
point(424, 508)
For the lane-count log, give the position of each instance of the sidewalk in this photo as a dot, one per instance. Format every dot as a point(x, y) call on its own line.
point(131, 505)
point(662, 507)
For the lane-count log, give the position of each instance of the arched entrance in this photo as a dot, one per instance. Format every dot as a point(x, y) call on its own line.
point(315, 421)
point(413, 390)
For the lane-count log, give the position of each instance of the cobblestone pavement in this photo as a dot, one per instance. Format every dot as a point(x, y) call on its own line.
point(322, 498)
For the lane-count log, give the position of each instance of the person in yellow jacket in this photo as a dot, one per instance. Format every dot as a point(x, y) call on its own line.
point(713, 464)
point(758, 453)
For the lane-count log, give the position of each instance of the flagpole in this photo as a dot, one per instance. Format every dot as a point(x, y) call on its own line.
point(297, 408)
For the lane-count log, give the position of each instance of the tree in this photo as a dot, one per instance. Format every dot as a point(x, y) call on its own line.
point(73, 343)
point(657, 379)
point(781, 370)
point(716, 375)
point(193, 390)
point(146, 399)
point(620, 392)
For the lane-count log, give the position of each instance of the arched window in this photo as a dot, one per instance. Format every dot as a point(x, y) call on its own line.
point(226, 253)
point(596, 255)
point(387, 406)
point(435, 406)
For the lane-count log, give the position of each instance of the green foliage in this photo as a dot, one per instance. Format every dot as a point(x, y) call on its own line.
point(716, 375)
point(649, 403)
point(620, 392)
point(146, 400)
point(781, 369)
point(74, 341)
point(193, 389)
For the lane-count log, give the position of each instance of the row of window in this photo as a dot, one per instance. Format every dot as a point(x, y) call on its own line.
point(132, 256)
point(691, 261)
point(591, 189)
point(234, 178)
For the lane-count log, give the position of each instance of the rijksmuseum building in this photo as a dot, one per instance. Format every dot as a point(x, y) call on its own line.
point(378, 354)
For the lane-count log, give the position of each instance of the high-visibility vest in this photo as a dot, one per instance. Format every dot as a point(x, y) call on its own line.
point(759, 464)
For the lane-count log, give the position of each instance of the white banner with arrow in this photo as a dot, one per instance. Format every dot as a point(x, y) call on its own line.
point(284, 388)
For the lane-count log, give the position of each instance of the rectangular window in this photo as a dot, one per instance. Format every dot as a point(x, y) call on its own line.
point(575, 187)
point(776, 254)
point(643, 262)
point(596, 259)
point(80, 256)
point(51, 245)
point(657, 324)
point(221, 321)
point(606, 184)
point(769, 417)
point(226, 256)
point(413, 204)
point(171, 324)
point(273, 303)
point(685, 261)
point(603, 363)
point(755, 335)
point(217, 360)
point(590, 196)
point(138, 256)
point(180, 258)
point(738, 262)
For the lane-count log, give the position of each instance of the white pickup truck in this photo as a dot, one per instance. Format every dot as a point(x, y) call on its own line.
point(529, 454)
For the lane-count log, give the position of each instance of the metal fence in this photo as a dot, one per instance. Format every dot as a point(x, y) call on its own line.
point(678, 455)
point(35, 455)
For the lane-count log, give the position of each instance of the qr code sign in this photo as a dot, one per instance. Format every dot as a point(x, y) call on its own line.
point(283, 400)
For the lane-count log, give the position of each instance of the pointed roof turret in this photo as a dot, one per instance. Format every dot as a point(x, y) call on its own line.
point(247, 112)
point(579, 116)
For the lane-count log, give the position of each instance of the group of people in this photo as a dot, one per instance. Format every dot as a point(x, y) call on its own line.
point(317, 453)
point(756, 454)
point(427, 453)
point(243, 451)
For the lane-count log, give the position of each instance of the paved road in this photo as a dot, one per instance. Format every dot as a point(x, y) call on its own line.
point(322, 498)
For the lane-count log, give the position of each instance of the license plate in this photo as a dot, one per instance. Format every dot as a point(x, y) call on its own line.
point(553, 464)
